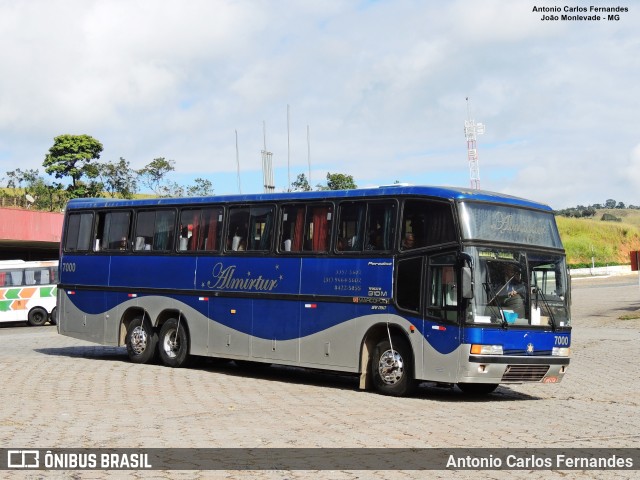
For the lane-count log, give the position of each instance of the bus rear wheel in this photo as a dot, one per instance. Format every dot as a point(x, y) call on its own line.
point(173, 343)
point(37, 316)
point(392, 369)
point(53, 317)
point(141, 341)
point(477, 388)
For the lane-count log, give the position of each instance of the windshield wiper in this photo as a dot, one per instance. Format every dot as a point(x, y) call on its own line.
point(494, 296)
point(552, 318)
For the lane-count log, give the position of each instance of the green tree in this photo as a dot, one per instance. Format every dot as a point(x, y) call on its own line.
point(39, 194)
point(153, 176)
point(301, 184)
point(71, 156)
point(338, 181)
point(118, 178)
point(202, 188)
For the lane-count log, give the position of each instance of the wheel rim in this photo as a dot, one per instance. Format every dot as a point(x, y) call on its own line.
point(171, 343)
point(139, 340)
point(391, 367)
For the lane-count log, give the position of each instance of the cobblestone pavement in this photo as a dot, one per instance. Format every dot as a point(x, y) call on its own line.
point(59, 392)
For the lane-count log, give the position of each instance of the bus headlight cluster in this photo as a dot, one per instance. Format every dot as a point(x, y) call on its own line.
point(560, 351)
point(486, 349)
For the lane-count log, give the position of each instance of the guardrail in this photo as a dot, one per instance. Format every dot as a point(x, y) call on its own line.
point(600, 271)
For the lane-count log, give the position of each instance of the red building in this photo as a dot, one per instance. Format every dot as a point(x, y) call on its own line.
point(29, 234)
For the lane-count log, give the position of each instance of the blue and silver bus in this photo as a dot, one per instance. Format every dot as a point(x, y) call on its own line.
point(397, 284)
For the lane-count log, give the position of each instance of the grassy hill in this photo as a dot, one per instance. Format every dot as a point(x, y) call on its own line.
point(608, 242)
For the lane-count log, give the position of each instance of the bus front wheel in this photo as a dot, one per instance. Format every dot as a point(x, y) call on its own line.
point(141, 341)
point(392, 368)
point(37, 316)
point(53, 317)
point(173, 344)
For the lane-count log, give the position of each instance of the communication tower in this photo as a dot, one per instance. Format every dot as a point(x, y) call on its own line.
point(267, 165)
point(471, 131)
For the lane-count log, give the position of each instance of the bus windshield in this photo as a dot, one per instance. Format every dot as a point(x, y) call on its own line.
point(517, 287)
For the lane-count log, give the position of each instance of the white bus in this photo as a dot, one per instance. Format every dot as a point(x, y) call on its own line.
point(28, 291)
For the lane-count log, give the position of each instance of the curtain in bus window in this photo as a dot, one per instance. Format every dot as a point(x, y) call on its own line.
point(163, 236)
point(357, 242)
point(29, 277)
point(380, 227)
point(211, 238)
point(265, 237)
point(439, 225)
point(189, 230)
point(298, 231)
point(16, 277)
point(321, 229)
point(387, 225)
point(193, 240)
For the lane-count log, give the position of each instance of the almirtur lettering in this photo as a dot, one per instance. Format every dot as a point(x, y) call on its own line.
point(224, 278)
point(507, 223)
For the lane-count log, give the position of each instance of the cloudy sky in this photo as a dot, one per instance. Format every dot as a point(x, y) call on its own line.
point(374, 89)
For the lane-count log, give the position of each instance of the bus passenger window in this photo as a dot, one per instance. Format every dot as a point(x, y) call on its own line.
point(306, 228)
point(426, 223)
point(250, 229)
point(292, 229)
point(154, 230)
point(366, 226)
point(380, 226)
point(112, 230)
point(200, 229)
point(318, 228)
point(78, 235)
point(210, 230)
point(238, 229)
point(260, 229)
point(351, 226)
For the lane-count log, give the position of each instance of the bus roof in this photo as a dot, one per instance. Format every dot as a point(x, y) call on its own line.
point(445, 193)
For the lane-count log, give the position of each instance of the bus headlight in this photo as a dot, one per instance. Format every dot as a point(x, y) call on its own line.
point(560, 351)
point(486, 349)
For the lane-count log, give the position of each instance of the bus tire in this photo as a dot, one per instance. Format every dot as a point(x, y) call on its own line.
point(53, 316)
point(477, 388)
point(37, 317)
point(141, 341)
point(173, 343)
point(392, 372)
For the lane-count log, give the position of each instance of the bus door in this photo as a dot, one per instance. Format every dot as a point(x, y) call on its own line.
point(442, 328)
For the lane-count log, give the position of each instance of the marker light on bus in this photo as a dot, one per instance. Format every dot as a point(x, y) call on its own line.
point(560, 351)
point(486, 349)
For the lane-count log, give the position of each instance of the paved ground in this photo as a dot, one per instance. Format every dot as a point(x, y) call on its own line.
point(59, 392)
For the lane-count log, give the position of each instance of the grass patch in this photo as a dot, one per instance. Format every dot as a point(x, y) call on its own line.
point(609, 243)
point(630, 316)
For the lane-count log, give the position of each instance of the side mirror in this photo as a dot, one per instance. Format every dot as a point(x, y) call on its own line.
point(467, 283)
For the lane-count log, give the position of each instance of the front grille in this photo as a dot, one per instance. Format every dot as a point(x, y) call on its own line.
point(525, 373)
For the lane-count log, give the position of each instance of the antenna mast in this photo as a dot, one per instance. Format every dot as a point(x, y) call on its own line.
point(267, 164)
point(238, 163)
point(471, 131)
